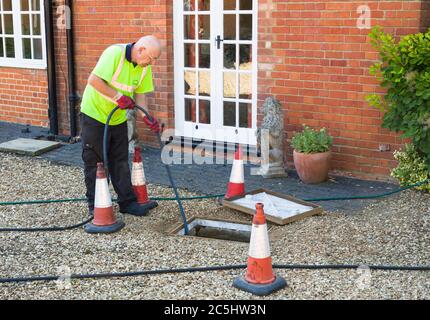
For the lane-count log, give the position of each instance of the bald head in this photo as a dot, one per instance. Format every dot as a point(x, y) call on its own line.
point(146, 50)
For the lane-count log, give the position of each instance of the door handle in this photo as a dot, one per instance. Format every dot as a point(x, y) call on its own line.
point(218, 41)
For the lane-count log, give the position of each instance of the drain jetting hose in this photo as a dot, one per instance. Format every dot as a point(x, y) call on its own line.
point(47, 229)
point(12, 203)
point(172, 183)
point(199, 269)
point(175, 199)
point(212, 268)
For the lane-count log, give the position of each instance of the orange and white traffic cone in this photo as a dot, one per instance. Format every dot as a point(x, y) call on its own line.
point(104, 218)
point(236, 185)
point(259, 278)
point(139, 183)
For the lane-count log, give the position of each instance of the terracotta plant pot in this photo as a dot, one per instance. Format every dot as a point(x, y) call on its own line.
point(312, 167)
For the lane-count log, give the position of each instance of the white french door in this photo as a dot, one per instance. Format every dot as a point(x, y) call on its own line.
point(215, 53)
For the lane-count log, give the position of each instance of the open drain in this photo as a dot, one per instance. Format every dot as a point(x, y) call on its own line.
point(216, 229)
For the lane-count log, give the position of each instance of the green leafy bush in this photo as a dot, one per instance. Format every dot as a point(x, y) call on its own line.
point(404, 71)
point(412, 167)
point(312, 141)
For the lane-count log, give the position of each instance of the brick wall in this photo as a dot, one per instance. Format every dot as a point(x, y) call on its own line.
point(24, 92)
point(24, 96)
point(312, 57)
point(315, 60)
point(98, 24)
point(425, 15)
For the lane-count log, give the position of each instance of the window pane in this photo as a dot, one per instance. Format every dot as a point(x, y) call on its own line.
point(36, 25)
point(245, 4)
point(229, 84)
point(230, 114)
point(8, 24)
point(245, 115)
point(1, 24)
point(190, 110)
point(190, 27)
point(37, 49)
point(7, 5)
point(229, 4)
point(24, 5)
point(35, 5)
point(229, 56)
point(25, 24)
point(245, 53)
point(204, 111)
point(229, 27)
point(26, 48)
point(190, 78)
point(245, 26)
point(204, 56)
point(190, 55)
point(204, 26)
point(204, 5)
point(245, 83)
point(1, 48)
point(189, 5)
point(10, 48)
point(204, 83)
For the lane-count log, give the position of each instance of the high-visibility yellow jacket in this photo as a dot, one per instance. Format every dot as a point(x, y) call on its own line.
point(116, 68)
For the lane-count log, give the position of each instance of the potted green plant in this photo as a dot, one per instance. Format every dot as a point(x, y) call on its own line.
point(312, 154)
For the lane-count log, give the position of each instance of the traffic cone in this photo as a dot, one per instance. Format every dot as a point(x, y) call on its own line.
point(259, 278)
point(236, 185)
point(104, 218)
point(139, 183)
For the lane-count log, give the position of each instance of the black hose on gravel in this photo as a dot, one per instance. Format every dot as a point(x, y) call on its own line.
point(47, 229)
point(213, 268)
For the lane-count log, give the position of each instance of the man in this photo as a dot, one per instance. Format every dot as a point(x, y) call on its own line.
point(121, 78)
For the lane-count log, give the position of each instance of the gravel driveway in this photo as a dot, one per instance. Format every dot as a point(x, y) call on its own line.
point(392, 231)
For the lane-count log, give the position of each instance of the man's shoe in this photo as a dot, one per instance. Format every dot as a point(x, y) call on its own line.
point(134, 209)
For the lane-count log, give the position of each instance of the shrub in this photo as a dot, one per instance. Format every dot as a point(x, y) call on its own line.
point(404, 71)
point(312, 141)
point(412, 167)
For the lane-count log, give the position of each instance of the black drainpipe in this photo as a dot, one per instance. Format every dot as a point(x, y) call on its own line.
point(52, 80)
point(71, 71)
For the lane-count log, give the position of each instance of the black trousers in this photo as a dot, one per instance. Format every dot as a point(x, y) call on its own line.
point(92, 152)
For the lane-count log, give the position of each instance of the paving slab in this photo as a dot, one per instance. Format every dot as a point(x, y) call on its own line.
point(30, 147)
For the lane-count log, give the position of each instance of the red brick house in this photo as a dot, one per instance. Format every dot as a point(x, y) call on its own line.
point(311, 55)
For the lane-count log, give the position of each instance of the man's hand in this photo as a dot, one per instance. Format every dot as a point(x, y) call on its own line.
point(153, 125)
point(126, 103)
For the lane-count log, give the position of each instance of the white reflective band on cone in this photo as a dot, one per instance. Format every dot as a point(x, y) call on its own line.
point(103, 199)
point(137, 174)
point(237, 175)
point(259, 245)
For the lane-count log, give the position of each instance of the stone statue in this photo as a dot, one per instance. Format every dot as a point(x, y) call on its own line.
point(270, 140)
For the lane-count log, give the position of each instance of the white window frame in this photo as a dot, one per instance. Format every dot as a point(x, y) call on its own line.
point(186, 128)
point(19, 61)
